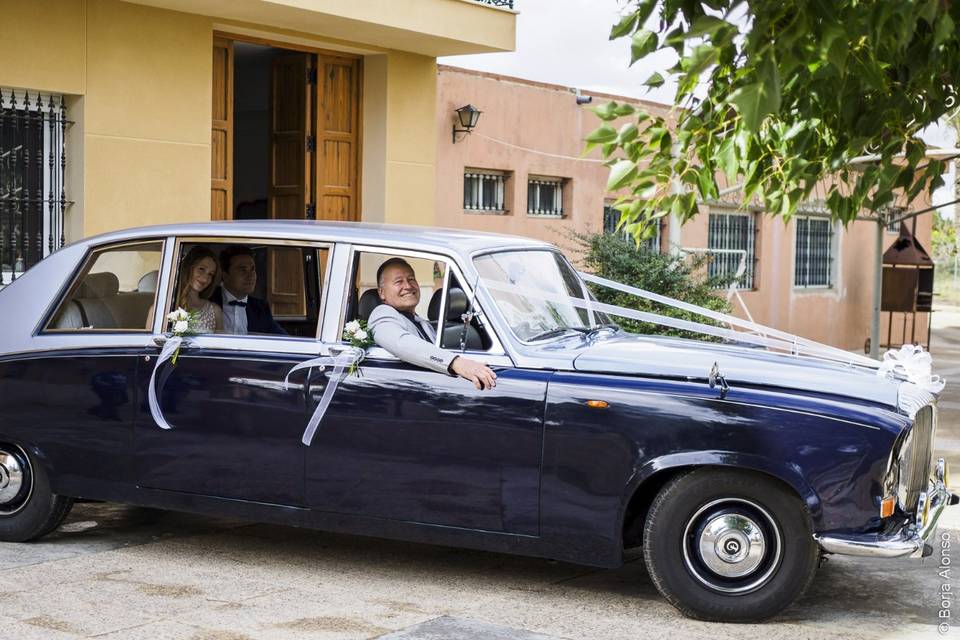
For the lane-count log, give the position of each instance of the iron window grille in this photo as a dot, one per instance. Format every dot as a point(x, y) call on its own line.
point(813, 261)
point(484, 191)
point(732, 241)
point(610, 219)
point(891, 214)
point(32, 191)
point(545, 197)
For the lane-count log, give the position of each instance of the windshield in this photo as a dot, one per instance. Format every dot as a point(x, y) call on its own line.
point(532, 289)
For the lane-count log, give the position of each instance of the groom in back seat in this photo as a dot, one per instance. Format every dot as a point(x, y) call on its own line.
point(242, 313)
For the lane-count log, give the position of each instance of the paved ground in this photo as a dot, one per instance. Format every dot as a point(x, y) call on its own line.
point(117, 572)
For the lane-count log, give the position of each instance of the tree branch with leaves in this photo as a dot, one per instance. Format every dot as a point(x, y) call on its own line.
point(780, 96)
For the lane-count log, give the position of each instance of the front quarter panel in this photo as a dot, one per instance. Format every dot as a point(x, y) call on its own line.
point(832, 453)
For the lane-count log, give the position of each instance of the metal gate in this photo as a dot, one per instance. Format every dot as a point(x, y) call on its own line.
point(32, 192)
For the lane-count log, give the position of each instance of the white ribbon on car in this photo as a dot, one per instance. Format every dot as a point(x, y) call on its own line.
point(910, 363)
point(169, 348)
point(341, 363)
point(914, 364)
point(800, 346)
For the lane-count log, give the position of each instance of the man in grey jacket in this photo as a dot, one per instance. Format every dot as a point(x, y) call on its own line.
point(396, 327)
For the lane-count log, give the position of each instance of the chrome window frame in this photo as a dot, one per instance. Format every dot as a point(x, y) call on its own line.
point(81, 269)
point(255, 342)
point(496, 354)
point(517, 339)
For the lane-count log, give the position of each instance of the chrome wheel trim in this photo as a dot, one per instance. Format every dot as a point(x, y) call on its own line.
point(16, 475)
point(732, 546)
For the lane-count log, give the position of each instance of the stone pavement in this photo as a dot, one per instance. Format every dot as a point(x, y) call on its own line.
point(120, 572)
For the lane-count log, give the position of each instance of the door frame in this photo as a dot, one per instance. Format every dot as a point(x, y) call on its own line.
point(353, 59)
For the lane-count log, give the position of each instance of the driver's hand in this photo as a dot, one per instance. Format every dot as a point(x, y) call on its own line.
point(478, 373)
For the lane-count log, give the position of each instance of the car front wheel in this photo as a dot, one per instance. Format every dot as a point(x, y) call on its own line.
point(28, 509)
point(729, 546)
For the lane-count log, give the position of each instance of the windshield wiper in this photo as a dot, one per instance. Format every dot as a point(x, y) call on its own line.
point(597, 328)
point(558, 331)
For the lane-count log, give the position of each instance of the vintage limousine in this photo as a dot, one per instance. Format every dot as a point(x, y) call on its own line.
point(594, 441)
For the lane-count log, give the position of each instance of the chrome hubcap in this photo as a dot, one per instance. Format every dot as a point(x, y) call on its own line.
point(732, 545)
point(11, 478)
point(15, 480)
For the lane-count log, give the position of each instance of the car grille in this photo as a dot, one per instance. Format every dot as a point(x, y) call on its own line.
point(919, 456)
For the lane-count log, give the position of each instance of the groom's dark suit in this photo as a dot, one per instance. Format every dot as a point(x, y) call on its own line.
point(259, 317)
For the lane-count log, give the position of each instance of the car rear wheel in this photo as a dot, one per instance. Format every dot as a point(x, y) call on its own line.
point(28, 509)
point(729, 546)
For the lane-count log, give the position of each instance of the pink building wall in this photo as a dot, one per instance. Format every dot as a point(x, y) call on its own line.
point(530, 128)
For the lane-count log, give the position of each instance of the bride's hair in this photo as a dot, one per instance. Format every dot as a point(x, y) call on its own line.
point(190, 261)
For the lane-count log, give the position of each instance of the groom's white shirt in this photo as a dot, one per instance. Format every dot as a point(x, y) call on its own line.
point(234, 316)
point(397, 334)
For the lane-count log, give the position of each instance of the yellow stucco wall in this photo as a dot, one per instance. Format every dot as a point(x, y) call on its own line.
point(138, 81)
point(139, 152)
point(410, 139)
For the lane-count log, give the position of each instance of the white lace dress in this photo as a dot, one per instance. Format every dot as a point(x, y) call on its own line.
point(206, 319)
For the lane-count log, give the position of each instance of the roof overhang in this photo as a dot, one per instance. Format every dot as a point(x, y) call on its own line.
point(427, 27)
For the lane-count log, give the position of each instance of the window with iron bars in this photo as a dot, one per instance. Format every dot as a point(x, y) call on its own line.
point(32, 191)
point(813, 261)
point(545, 197)
point(483, 191)
point(610, 219)
point(732, 240)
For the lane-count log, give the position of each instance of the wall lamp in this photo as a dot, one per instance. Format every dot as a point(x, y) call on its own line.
point(467, 116)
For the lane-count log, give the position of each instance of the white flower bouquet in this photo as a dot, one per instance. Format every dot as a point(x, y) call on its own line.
point(182, 323)
point(355, 332)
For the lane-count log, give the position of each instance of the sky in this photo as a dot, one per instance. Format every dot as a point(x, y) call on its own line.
point(566, 42)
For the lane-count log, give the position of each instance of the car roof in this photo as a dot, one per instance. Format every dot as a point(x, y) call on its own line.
point(439, 239)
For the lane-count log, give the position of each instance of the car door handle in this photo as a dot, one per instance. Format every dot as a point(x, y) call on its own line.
point(160, 340)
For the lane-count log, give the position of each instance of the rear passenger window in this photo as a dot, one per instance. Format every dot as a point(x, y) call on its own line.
point(115, 291)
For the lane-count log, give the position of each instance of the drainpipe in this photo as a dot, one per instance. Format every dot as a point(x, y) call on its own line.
point(877, 292)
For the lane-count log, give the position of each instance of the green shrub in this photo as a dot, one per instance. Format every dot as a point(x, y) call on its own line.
point(616, 257)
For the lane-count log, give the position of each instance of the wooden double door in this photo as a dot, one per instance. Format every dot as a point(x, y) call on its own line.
point(314, 138)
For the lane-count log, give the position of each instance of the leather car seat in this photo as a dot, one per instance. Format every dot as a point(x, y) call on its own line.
point(369, 301)
point(453, 324)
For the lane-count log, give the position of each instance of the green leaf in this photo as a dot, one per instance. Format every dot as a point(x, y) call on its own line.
point(756, 101)
point(944, 30)
point(626, 25)
point(621, 174)
point(702, 25)
point(700, 59)
point(644, 43)
point(606, 111)
point(624, 110)
point(654, 81)
point(837, 55)
point(604, 134)
point(727, 158)
point(628, 133)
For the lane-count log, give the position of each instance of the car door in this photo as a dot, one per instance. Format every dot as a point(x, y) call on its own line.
point(235, 428)
point(413, 445)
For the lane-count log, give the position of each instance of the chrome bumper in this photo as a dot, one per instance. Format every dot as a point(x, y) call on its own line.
point(911, 539)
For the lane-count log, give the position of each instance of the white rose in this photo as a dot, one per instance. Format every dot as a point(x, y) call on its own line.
point(352, 327)
point(180, 315)
point(360, 334)
point(181, 326)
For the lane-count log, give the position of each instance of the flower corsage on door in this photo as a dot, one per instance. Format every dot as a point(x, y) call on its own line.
point(181, 325)
point(356, 333)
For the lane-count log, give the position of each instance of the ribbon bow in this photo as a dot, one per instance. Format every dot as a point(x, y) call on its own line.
point(914, 364)
point(341, 363)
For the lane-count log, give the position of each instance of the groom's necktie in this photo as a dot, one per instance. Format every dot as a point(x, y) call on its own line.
point(237, 303)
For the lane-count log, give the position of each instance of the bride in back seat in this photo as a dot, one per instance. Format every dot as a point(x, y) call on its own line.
point(198, 278)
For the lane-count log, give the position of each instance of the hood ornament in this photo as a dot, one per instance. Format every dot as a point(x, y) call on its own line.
point(714, 378)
